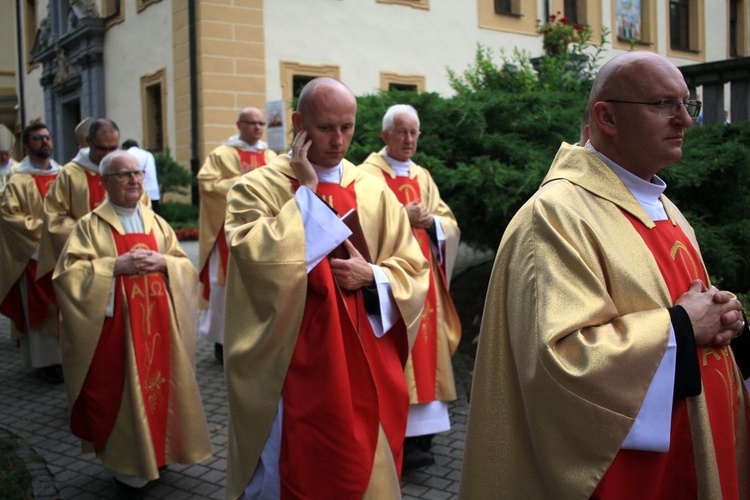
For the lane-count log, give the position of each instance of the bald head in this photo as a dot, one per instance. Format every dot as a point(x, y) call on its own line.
point(318, 90)
point(624, 75)
point(251, 125)
point(628, 124)
point(326, 111)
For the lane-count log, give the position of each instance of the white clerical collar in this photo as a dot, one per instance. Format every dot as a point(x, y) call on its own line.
point(83, 159)
point(236, 142)
point(130, 218)
point(400, 168)
point(29, 167)
point(331, 175)
point(646, 193)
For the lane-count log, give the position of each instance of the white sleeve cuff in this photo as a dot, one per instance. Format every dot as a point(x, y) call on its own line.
point(389, 313)
point(652, 426)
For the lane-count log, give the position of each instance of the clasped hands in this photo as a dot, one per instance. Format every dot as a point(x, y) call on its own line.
point(140, 261)
point(716, 315)
point(418, 215)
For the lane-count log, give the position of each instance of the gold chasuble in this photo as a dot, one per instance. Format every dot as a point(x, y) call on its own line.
point(564, 361)
point(21, 215)
point(271, 332)
point(429, 372)
point(130, 378)
point(223, 167)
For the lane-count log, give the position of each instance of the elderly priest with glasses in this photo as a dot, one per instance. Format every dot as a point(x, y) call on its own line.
point(604, 368)
point(128, 294)
point(76, 191)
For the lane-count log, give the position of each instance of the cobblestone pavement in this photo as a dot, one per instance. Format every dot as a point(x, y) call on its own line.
point(38, 414)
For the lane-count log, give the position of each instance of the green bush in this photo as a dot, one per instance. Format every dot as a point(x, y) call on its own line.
point(179, 214)
point(173, 177)
point(709, 184)
point(487, 151)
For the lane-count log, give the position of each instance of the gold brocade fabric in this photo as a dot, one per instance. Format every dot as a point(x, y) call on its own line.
point(83, 280)
point(21, 215)
point(215, 178)
point(267, 285)
point(5, 176)
point(448, 323)
point(574, 327)
point(66, 202)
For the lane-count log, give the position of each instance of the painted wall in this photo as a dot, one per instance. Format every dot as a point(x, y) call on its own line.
point(33, 91)
point(364, 38)
point(139, 46)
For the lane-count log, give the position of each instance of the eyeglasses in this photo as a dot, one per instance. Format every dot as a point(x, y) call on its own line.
point(99, 147)
point(127, 174)
point(669, 108)
point(41, 137)
point(252, 124)
point(411, 133)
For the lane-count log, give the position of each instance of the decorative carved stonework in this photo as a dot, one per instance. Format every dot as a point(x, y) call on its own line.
point(64, 69)
point(81, 9)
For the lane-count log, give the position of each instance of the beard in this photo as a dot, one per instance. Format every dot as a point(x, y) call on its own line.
point(42, 152)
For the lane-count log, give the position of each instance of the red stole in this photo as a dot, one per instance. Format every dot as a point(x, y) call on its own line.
point(96, 189)
point(145, 299)
point(43, 183)
point(642, 474)
point(249, 160)
point(424, 351)
point(40, 295)
point(341, 384)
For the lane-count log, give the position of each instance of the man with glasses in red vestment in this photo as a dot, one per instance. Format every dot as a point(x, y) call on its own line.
point(27, 302)
point(604, 368)
point(128, 292)
point(238, 155)
point(429, 372)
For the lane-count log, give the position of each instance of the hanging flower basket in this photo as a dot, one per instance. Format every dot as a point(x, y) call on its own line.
point(557, 34)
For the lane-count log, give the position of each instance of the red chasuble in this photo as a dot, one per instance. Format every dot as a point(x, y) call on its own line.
point(96, 189)
point(424, 351)
point(249, 160)
point(40, 295)
point(651, 475)
point(342, 383)
point(141, 302)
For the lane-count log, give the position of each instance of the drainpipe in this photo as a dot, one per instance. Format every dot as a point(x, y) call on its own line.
point(19, 39)
point(194, 161)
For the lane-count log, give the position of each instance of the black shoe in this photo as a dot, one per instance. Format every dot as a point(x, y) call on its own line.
point(125, 491)
point(219, 352)
point(52, 374)
point(417, 458)
point(424, 442)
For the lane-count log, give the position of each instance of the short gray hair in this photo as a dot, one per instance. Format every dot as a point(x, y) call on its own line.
point(394, 111)
point(107, 161)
